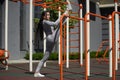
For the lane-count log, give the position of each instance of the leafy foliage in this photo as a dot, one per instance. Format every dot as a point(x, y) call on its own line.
point(39, 56)
point(73, 55)
point(54, 13)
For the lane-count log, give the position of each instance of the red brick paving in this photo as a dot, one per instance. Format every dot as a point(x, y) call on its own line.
point(99, 71)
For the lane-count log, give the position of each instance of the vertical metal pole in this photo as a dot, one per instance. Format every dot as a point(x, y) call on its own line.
point(81, 36)
point(59, 39)
point(113, 49)
point(44, 42)
point(86, 47)
point(30, 36)
point(110, 47)
point(67, 64)
point(116, 34)
point(88, 33)
point(61, 49)
point(6, 28)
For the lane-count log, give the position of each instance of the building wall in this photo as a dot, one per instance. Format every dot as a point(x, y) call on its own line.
point(105, 33)
point(0, 25)
point(13, 30)
point(95, 32)
point(24, 31)
point(26, 25)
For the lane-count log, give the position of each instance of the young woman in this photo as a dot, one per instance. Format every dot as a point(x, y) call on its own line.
point(52, 35)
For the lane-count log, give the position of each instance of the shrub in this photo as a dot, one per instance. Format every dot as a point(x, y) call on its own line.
point(39, 56)
point(35, 56)
point(53, 56)
point(73, 55)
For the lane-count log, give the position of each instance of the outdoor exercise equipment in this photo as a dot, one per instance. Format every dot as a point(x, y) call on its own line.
point(78, 40)
point(44, 5)
point(116, 33)
point(113, 35)
point(6, 29)
point(114, 52)
point(61, 42)
point(87, 36)
point(87, 43)
point(105, 52)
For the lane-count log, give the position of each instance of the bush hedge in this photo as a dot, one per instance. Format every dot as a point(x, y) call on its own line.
point(54, 55)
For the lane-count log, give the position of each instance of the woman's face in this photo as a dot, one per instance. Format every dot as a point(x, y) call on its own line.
point(47, 16)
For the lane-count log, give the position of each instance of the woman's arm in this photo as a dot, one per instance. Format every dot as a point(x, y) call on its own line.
point(51, 23)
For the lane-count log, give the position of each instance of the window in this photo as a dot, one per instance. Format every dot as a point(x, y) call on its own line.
point(107, 11)
point(2, 1)
point(92, 8)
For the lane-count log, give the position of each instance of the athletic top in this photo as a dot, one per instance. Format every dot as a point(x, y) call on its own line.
point(48, 26)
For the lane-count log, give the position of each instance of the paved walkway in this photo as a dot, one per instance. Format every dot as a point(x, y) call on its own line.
point(20, 71)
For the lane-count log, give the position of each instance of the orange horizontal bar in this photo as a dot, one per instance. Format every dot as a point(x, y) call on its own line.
point(74, 32)
point(115, 0)
point(73, 26)
point(73, 17)
point(42, 5)
point(97, 15)
point(74, 13)
point(37, 0)
point(55, 8)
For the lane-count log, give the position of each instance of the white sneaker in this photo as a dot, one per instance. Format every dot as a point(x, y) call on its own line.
point(38, 75)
